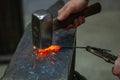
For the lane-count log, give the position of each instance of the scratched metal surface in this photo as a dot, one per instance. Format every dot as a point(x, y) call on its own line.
point(24, 65)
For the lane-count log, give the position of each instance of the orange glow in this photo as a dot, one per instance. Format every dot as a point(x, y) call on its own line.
point(34, 47)
point(43, 52)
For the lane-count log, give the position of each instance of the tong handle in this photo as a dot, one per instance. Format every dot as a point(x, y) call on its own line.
point(91, 10)
point(102, 53)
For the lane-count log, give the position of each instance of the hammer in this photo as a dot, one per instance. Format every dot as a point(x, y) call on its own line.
point(44, 23)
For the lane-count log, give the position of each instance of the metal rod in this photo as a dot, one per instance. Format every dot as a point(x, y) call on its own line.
point(74, 47)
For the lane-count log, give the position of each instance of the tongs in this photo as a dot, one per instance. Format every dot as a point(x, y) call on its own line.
point(102, 53)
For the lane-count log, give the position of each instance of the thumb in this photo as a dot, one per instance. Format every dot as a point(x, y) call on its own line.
point(116, 68)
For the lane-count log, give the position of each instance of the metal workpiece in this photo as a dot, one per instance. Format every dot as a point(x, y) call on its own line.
point(42, 22)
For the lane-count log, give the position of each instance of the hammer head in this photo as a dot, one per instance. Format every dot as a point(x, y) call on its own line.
point(42, 29)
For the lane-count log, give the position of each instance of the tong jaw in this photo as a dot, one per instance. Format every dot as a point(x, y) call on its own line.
point(42, 29)
point(102, 53)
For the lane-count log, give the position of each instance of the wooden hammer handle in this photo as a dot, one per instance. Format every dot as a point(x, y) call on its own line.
point(90, 10)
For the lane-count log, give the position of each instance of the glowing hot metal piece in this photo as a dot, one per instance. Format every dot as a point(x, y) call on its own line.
point(43, 52)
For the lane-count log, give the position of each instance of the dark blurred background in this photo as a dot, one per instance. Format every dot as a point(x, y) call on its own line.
point(11, 26)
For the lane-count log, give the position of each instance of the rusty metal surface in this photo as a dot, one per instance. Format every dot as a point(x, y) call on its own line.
point(24, 65)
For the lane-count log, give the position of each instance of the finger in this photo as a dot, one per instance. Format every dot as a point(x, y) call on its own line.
point(65, 12)
point(119, 55)
point(81, 19)
point(68, 27)
point(113, 71)
point(62, 9)
point(76, 23)
point(61, 12)
point(116, 69)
